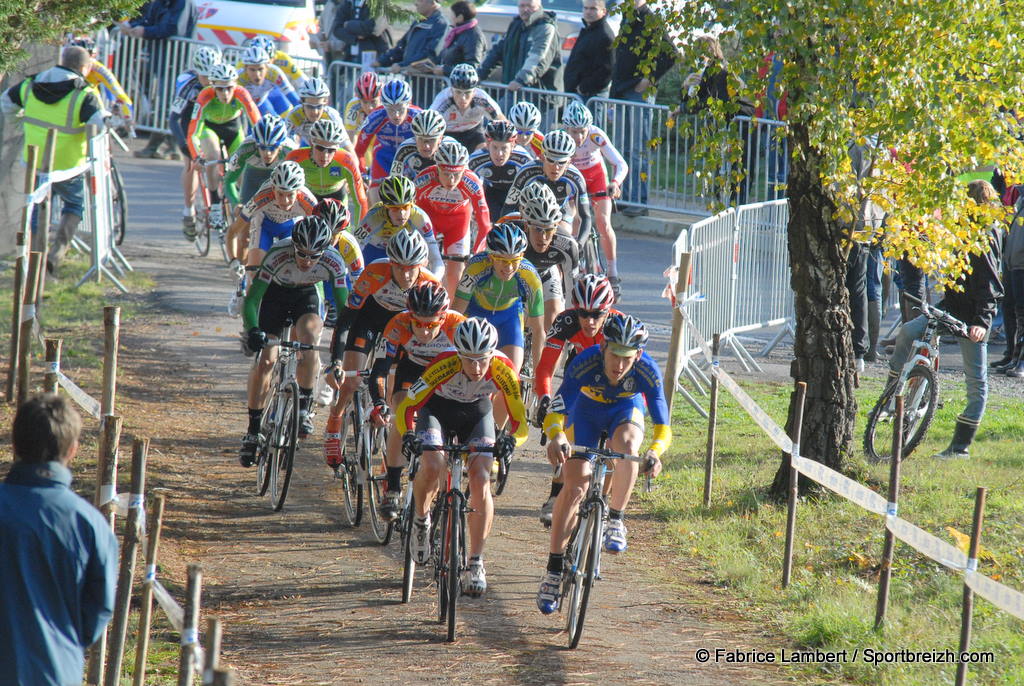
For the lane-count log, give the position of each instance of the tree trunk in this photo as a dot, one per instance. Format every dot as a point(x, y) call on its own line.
point(823, 347)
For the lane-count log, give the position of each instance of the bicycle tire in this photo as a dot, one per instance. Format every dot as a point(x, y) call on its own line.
point(352, 490)
point(409, 564)
point(376, 480)
point(456, 553)
point(586, 576)
point(591, 255)
point(284, 447)
point(120, 199)
point(921, 392)
point(504, 465)
point(267, 429)
point(439, 539)
point(263, 469)
point(202, 239)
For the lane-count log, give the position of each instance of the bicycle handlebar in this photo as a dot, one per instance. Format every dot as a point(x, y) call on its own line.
point(340, 373)
point(456, 448)
point(957, 327)
point(646, 463)
point(293, 345)
point(456, 258)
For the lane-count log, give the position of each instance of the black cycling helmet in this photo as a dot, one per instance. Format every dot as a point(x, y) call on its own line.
point(312, 235)
point(334, 212)
point(500, 130)
point(427, 300)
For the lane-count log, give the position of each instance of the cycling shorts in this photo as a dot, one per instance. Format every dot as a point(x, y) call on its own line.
point(551, 283)
point(471, 422)
point(597, 180)
point(367, 328)
point(508, 322)
point(453, 231)
point(229, 134)
point(406, 374)
point(589, 418)
point(267, 232)
point(472, 138)
point(281, 304)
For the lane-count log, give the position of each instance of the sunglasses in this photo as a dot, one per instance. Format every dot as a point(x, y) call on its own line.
point(476, 358)
point(591, 314)
point(268, 148)
point(302, 254)
point(521, 132)
point(431, 324)
point(557, 163)
point(223, 89)
point(406, 206)
point(324, 148)
point(314, 106)
point(508, 261)
point(542, 229)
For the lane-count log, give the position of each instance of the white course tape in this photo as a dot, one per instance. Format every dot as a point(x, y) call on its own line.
point(923, 542)
point(84, 400)
point(773, 430)
point(1001, 596)
point(705, 348)
point(843, 485)
point(46, 180)
point(150, 573)
point(174, 613)
point(108, 492)
point(28, 313)
point(189, 637)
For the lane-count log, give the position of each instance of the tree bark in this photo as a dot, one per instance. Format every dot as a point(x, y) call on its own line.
point(823, 347)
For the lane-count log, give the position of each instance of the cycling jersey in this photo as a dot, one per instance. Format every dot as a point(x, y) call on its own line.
point(450, 210)
point(534, 144)
point(280, 268)
point(564, 331)
point(331, 180)
point(444, 378)
point(408, 161)
point(386, 138)
point(350, 253)
point(400, 343)
point(482, 107)
point(480, 285)
point(352, 117)
point(273, 95)
point(209, 111)
point(375, 231)
point(247, 164)
point(595, 146)
point(102, 78)
point(563, 251)
point(591, 404)
point(570, 191)
point(286, 65)
point(497, 180)
point(187, 88)
point(268, 223)
point(299, 125)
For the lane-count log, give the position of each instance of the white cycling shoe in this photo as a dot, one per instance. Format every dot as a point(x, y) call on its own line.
point(474, 580)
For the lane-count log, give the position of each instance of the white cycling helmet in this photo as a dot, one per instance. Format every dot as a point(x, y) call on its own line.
point(205, 59)
point(314, 88)
point(451, 153)
point(288, 176)
point(407, 248)
point(223, 73)
point(312, 235)
point(254, 54)
point(539, 207)
point(428, 124)
point(265, 42)
point(475, 337)
point(525, 116)
point(577, 116)
point(559, 146)
point(464, 77)
point(326, 131)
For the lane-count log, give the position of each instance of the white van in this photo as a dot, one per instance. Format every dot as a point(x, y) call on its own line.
point(228, 24)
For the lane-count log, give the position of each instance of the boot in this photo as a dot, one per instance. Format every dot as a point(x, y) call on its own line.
point(874, 324)
point(61, 240)
point(959, 447)
point(1015, 368)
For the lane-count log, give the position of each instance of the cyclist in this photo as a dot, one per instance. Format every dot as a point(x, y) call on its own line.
point(555, 171)
point(498, 164)
point(339, 219)
point(256, 158)
point(366, 100)
point(288, 288)
point(412, 340)
point(279, 59)
point(396, 211)
point(315, 97)
point(591, 145)
point(331, 170)
point(451, 195)
point(268, 86)
point(417, 153)
point(554, 255)
point(573, 330)
point(604, 389)
point(454, 394)
point(526, 118)
point(377, 295)
point(387, 126)
point(189, 84)
point(503, 288)
point(465, 107)
point(219, 109)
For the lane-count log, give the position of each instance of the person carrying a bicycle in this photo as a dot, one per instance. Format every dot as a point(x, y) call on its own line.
point(316, 98)
point(454, 395)
point(498, 163)
point(269, 87)
point(605, 388)
point(378, 294)
point(220, 109)
point(386, 127)
point(288, 288)
point(366, 100)
point(593, 148)
point(331, 170)
point(396, 212)
point(417, 153)
point(258, 155)
point(526, 118)
point(452, 196)
point(465, 107)
point(412, 340)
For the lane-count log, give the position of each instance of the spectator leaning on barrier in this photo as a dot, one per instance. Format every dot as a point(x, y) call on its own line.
point(975, 305)
point(421, 42)
point(588, 72)
point(353, 30)
point(60, 99)
point(465, 42)
point(529, 53)
point(58, 569)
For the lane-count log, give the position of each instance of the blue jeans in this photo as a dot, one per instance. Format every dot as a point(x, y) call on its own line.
point(975, 357)
point(874, 285)
point(636, 131)
point(71, 193)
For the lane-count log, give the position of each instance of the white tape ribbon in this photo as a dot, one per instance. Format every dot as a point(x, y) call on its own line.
point(150, 573)
point(135, 501)
point(174, 613)
point(84, 400)
point(28, 313)
point(189, 637)
point(762, 419)
point(891, 509)
point(54, 367)
point(972, 564)
point(923, 542)
point(1003, 597)
point(108, 493)
point(843, 485)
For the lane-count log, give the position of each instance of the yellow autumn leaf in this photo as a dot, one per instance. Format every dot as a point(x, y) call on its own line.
point(963, 542)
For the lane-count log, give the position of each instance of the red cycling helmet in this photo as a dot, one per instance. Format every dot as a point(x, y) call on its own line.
point(368, 86)
point(593, 292)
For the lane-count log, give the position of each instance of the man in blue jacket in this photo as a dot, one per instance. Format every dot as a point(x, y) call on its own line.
point(421, 41)
point(58, 556)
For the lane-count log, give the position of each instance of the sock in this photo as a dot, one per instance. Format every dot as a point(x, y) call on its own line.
point(556, 562)
point(614, 514)
point(394, 479)
point(186, 211)
point(305, 397)
point(334, 424)
point(420, 521)
point(214, 197)
point(476, 560)
point(556, 488)
point(613, 269)
point(255, 418)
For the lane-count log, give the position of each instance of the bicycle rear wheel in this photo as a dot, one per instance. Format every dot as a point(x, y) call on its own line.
point(456, 556)
point(120, 199)
point(920, 394)
point(376, 480)
point(584, 572)
point(202, 239)
point(284, 445)
point(352, 492)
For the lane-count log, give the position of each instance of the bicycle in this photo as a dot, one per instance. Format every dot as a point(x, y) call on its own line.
point(919, 385)
point(404, 524)
point(204, 225)
point(583, 554)
point(592, 258)
point(119, 197)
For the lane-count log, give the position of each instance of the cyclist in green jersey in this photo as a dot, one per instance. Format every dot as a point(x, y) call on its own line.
point(256, 158)
point(331, 170)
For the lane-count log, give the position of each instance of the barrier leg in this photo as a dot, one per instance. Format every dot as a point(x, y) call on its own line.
point(675, 344)
point(967, 611)
point(787, 330)
point(146, 602)
point(885, 574)
point(794, 479)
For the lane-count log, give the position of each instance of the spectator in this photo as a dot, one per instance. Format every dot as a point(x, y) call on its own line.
point(353, 30)
point(50, 100)
point(58, 569)
point(421, 42)
point(529, 53)
point(642, 36)
point(589, 69)
point(1012, 363)
point(465, 42)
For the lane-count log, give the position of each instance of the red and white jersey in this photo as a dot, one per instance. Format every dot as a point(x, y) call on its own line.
point(596, 145)
point(481, 107)
point(450, 209)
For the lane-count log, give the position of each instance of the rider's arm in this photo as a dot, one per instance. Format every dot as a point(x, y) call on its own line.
point(481, 213)
point(614, 157)
point(99, 74)
point(366, 135)
point(506, 381)
point(554, 421)
point(249, 108)
point(195, 125)
point(379, 377)
point(546, 367)
point(251, 308)
point(355, 180)
point(435, 263)
point(286, 64)
point(464, 291)
point(233, 171)
point(654, 394)
point(284, 85)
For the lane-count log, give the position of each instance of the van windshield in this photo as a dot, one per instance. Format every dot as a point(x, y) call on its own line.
point(278, 3)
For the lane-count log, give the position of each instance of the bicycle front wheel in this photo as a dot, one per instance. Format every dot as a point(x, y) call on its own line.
point(352, 492)
point(583, 571)
point(202, 239)
point(920, 393)
point(409, 566)
point(456, 555)
point(376, 480)
point(284, 445)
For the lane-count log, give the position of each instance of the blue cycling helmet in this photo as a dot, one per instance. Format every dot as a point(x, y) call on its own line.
point(270, 131)
point(396, 92)
point(265, 42)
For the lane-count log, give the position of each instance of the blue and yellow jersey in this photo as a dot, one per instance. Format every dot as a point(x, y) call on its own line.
point(479, 284)
point(102, 78)
point(585, 376)
point(286, 64)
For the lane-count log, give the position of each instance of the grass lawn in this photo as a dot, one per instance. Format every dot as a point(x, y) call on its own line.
point(830, 602)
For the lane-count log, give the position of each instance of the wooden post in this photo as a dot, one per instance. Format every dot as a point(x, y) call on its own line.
point(50, 381)
point(31, 162)
point(106, 486)
point(794, 480)
point(709, 456)
point(190, 627)
point(676, 341)
point(211, 648)
point(224, 677)
point(146, 602)
point(19, 296)
point(42, 236)
point(111, 338)
point(129, 548)
point(28, 315)
point(967, 611)
point(885, 573)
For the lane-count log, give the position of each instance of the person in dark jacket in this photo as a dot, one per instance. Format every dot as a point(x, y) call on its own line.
point(58, 567)
point(975, 305)
point(422, 41)
point(354, 31)
point(589, 69)
point(465, 42)
point(529, 53)
point(1012, 363)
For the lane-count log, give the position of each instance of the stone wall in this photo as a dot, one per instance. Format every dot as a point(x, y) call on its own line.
point(12, 172)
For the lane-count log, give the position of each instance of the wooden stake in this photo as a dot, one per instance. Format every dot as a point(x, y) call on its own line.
point(50, 382)
point(211, 648)
point(709, 455)
point(28, 315)
point(19, 297)
point(111, 339)
point(146, 602)
point(967, 610)
point(885, 574)
point(106, 484)
point(794, 480)
point(190, 628)
point(675, 344)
